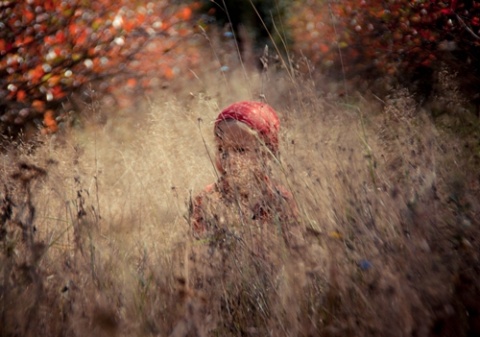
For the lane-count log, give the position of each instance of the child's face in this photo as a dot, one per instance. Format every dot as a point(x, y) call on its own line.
point(238, 148)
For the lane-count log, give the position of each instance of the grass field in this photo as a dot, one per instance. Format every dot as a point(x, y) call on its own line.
point(95, 241)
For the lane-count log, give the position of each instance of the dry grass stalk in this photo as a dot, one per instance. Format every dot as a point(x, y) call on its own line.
point(389, 200)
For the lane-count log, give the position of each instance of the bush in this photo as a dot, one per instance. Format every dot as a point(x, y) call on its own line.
point(51, 50)
point(407, 41)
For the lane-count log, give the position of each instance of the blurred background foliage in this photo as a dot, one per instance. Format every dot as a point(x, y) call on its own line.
point(395, 42)
point(255, 22)
point(56, 56)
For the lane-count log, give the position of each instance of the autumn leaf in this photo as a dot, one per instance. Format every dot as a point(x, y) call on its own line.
point(49, 122)
point(75, 42)
point(129, 26)
point(23, 40)
point(80, 40)
point(38, 106)
point(141, 18)
point(49, 40)
point(21, 95)
point(57, 92)
point(73, 29)
point(324, 48)
point(36, 74)
point(185, 14)
point(54, 80)
point(48, 5)
point(335, 235)
point(169, 73)
point(60, 37)
point(28, 16)
point(131, 82)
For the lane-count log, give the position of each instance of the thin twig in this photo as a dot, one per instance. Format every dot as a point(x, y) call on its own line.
point(467, 28)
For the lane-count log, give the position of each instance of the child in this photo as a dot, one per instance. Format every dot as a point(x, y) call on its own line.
point(247, 224)
point(245, 199)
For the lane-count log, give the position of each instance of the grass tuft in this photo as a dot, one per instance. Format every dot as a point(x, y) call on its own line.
point(94, 237)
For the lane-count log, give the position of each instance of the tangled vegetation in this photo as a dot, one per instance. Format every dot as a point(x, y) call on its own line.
point(94, 230)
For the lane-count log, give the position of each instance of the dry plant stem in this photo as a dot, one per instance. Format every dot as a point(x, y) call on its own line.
point(6, 214)
point(212, 47)
point(390, 199)
point(237, 47)
point(212, 160)
point(291, 75)
point(282, 36)
point(340, 55)
point(370, 155)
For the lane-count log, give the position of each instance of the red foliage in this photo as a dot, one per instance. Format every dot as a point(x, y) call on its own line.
point(393, 37)
point(51, 49)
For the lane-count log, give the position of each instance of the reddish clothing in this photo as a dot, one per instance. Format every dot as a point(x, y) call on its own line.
point(219, 207)
point(245, 201)
point(259, 116)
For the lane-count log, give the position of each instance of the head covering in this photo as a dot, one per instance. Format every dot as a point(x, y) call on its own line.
point(259, 116)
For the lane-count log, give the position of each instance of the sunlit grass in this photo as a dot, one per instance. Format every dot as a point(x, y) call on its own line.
point(388, 200)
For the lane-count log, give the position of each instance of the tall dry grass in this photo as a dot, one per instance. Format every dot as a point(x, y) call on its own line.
point(95, 239)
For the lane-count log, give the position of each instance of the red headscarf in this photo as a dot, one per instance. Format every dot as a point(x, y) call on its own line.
point(259, 116)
